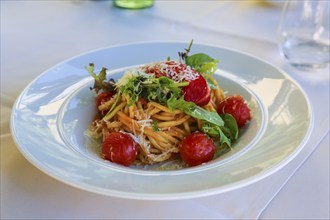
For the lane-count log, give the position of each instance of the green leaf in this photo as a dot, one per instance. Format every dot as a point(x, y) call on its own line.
point(98, 79)
point(204, 64)
point(199, 59)
point(100, 82)
point(228, 133)
point(151, 88)
point(215, 131)
point(231, 125)
point(208, 68)
point(133, 87)
point(194, 110)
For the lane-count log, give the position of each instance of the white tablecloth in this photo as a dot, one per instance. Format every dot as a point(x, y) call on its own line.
point(36, 35)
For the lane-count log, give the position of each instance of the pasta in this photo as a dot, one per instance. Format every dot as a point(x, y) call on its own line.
point(158, 129)
point(167, 112)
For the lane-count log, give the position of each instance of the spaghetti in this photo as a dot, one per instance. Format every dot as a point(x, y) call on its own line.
point(157, 128)
point(166, 111)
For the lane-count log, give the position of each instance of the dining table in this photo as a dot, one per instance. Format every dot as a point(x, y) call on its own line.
point(37, 35)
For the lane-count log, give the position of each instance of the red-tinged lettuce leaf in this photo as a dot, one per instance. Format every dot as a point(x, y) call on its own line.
point(100, 82)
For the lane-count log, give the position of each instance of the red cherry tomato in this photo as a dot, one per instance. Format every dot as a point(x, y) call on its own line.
point(197, 91)
point(196, 149)
point(103, 97)
point(120, 148)
point(235, 106)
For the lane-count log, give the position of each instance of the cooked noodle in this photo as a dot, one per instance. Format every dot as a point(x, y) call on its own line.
point(156, 128)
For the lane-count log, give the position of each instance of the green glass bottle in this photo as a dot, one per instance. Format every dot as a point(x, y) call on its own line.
point(133, 4)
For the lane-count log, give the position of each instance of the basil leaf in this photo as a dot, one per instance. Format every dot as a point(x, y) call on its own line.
point(198, 59)
point(204, 64)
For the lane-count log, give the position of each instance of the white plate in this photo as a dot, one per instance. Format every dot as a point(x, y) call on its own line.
point(52, 113)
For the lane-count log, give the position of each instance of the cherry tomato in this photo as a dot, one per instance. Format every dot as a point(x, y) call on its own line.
point(196, 149)
point(120, 148)
point(103, 97)
point(235, 106)
point(197, 91)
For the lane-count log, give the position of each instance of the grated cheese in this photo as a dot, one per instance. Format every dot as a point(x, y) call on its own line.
point(140, 138)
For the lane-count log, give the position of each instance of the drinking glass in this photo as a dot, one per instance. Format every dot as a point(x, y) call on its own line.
point(133, 4)
point(303, 33)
